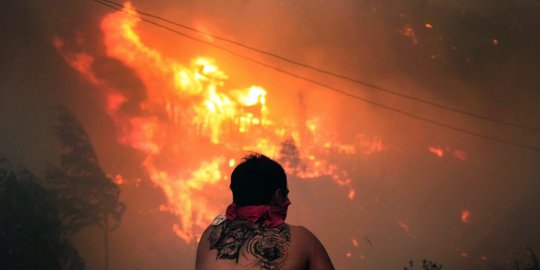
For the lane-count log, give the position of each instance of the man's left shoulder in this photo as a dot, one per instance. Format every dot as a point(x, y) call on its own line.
point(218, 220)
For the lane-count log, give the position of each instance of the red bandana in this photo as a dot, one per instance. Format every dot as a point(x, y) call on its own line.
point(271, 215)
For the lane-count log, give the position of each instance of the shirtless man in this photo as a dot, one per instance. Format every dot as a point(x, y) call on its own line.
point(253, 234)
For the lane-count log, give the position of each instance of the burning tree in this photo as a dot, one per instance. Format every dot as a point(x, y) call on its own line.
point(31, 233)
point(85, 195)
point(289, 156)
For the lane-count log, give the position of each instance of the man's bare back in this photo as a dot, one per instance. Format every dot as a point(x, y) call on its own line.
point(241, 244)
point(253, 233)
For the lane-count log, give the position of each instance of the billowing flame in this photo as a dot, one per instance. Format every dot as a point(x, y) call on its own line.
point(190, 127)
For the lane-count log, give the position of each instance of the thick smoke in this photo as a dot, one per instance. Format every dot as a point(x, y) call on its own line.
point(479, 56)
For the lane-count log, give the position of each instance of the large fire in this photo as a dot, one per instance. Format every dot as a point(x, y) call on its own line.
point(191, 128)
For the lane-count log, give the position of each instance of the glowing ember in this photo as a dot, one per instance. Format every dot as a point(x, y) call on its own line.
point(191, 129)
point(436, 151)
point(355, 242)
point(408, 32)
point(460, 154)
point(465, 216)
point(428, 25)
point(456, 153)
point(352, 193)
point(119, 180)
point(404, 226)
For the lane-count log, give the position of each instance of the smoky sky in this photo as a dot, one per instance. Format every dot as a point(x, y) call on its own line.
point(480, 56)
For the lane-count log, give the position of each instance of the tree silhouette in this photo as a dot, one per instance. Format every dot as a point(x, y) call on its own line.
point(528, 263)
point(426, 265)
point(290, 157)
point(31, 233)
point(85, 195)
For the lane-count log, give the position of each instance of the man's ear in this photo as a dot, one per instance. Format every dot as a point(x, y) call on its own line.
point(279, 196)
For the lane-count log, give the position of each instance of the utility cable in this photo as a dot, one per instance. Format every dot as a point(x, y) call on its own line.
point(330, 73)
point(374, 103)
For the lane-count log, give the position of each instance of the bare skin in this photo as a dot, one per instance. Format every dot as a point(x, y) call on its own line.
point(240, 244)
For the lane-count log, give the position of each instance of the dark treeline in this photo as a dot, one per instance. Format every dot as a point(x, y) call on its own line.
point(38, 216)
point(527, 260)
point(31, 233)
point(85, 194)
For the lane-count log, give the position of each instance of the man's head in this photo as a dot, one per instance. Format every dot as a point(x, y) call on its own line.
point(257, 180)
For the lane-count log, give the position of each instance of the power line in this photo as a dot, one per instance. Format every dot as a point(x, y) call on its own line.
point(331, 73)
point(374, 103)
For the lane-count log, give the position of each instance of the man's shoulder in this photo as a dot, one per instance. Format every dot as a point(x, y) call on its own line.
point(302, 234)
point(218, 220)
point(298, 233)
point(297, 229)
point(313, 248)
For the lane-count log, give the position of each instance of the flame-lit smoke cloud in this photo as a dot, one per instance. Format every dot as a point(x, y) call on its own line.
point(191, 127)
point(477, 55)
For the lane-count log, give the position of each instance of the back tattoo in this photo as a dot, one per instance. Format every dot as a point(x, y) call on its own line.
point(268, 246)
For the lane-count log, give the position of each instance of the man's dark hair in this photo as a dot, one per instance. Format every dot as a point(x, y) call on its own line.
point(256, 179)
